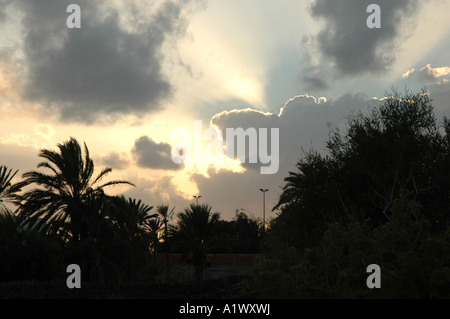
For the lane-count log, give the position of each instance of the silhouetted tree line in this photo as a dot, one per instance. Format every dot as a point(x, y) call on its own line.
point(379, 196)
point(63, 216)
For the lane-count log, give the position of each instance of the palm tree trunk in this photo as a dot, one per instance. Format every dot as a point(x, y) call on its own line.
point(199, 264)
point(154, 266)
point(167, 252)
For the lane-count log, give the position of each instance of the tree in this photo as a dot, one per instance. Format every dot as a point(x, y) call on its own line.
point(310, 199)
point(28, 254)
point(163, 211)
point(380, 195)
point(398, 146)
point(196, 224)
point(154, 228)
point(394, 147)
point(247, 232)
point(69, 201)
point(241, 235)
point(131, 216)
point(8, 190)
point(129, 235)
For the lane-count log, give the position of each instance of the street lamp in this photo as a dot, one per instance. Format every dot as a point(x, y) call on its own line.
point(196, 198)
point(264, 207)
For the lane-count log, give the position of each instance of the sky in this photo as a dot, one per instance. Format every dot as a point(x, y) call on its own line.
point(137, 72)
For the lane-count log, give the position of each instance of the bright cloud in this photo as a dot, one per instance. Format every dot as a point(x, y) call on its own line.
point(44, 130)
point(408, 73)
point(435, 72)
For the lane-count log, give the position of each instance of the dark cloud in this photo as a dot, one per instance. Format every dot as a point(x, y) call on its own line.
point(116, 160)
point(304, 121)
point(3, 5)
point(440, 94)
point(314, 83)
point(246, 119)
point(231, 191)
point(347, 42)
point(243, 118)
point(149, 154)
point(102, 69)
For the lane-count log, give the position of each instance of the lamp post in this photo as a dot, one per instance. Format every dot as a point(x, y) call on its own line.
point(264, 207)
point(196, 198)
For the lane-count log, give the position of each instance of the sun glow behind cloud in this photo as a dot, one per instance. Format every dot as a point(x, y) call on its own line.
point(248, 90)
point(226, 61)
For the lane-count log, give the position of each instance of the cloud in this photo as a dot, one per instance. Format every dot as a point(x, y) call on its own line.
point(231, 191)
point(157, 191)
point(304, 123)
point(349, 45)
point(19, 157)
point(107, 68)
point(44, 130)
point(250, 121)
point(149, 154)
point(243, 118)
point(303, 120)
point(430, 73)
point(7, 77)
point(116, 160)
point(440, 94)
point(314, 83)
point(408, 73)
point(24, 140)
point(3, 5)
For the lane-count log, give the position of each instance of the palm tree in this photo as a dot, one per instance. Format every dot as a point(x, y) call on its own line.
point(131, 216)
point(129, 235)
point(292, 188)
point(163, 211)
point(154, 228)
point(69, 201)
point(197, 225)
point(310, 170)
point(8, 191)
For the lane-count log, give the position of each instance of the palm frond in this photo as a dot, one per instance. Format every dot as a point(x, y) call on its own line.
point(113, 183)
point(102, 174)
point(8, 190)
